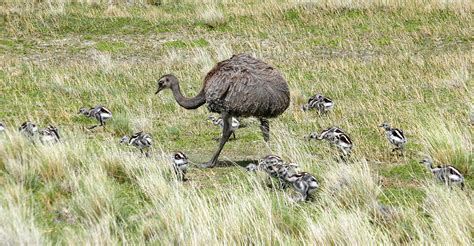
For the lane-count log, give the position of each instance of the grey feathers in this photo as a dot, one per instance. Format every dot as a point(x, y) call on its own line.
point(246, 86)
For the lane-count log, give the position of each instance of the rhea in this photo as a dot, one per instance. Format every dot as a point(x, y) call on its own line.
point(140, 140)
point(241, 86)
point(28, 129)
point(321, 103)
point(100, 113)
point(335, 136)
point(265, 163)
point(49, 135)
point(219, 122)
point(302, 182)
point(446, 174)
point(395, 136)
point(180, 165)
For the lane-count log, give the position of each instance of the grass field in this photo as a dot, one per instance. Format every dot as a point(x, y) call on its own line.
point(408, 63)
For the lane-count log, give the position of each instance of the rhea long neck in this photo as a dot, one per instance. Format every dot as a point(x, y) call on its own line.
point(187, 103)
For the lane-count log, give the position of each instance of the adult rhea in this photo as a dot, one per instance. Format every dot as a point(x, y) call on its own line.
point(241, 86)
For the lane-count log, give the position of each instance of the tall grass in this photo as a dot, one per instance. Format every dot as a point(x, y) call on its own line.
point(94, 208)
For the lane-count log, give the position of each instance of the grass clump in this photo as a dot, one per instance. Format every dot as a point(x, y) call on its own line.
point(211, 16)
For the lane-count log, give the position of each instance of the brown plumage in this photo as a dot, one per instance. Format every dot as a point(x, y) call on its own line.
point(241, 86)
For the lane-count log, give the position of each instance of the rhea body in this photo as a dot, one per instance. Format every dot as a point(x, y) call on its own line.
point(241, 86)
point(446, 174)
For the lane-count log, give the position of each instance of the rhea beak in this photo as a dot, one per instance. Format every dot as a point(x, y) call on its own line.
point(159, 89)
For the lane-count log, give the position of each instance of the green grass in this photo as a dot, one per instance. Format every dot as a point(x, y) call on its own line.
point(402, 196)
point(407, 172)
point(113, 47)
point(410, 66)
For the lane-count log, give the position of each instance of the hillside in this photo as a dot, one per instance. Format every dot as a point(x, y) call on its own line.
point(408, 63)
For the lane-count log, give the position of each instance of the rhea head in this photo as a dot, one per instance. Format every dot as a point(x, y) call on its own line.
point(427, 162)
point(165, 82)
point(385, 126)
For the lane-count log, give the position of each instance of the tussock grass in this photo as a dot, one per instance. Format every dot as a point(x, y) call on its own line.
point(405, 62)
point(211, 15)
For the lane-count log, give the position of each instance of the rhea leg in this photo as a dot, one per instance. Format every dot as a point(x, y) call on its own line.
point(265, 128)
point(226, 132)
point(101, 123)
point(401, 151)
point(305, 193)
point(92, 127)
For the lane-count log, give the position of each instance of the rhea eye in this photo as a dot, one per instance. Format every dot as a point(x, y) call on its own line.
point(176, 157)
point(166, 79)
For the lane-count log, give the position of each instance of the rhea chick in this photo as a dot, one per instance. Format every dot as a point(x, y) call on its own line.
point(303, 182)
point(140, 140)
point(100, 113)
point(319, 102)
point(395, 136)
point(219, 122)
point(49, 135)
point(328, 134)
point(446, 174)
point(28, 129)
point(337, 137)
point(274, 171)
point(180, 165)
point(264, 163)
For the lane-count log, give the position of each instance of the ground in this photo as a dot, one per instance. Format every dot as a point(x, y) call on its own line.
point(409, 65)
